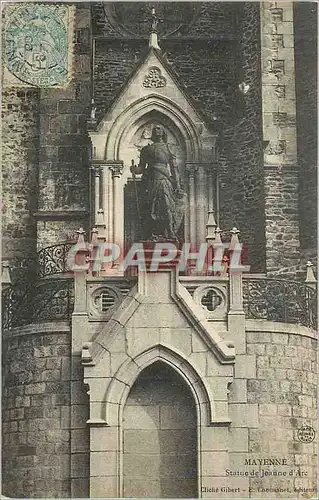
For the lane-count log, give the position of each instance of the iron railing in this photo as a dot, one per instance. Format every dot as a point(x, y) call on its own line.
point(46, 300)
point(53, 259)
point(52, 299)
point(280, 300)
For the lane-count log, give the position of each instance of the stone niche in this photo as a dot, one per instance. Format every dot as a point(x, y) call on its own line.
point(152, 96)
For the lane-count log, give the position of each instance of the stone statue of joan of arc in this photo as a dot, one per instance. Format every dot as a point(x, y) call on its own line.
point(163, 197)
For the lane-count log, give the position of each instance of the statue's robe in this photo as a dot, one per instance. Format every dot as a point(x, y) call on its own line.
point(158, 188)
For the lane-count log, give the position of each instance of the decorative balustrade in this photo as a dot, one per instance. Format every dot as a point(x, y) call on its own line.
point(263, 298)
point(280, 300)
point(52, 298)
point(47, 300)
point(53, 260)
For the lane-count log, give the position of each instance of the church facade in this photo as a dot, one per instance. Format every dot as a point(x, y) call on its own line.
point(187, 381)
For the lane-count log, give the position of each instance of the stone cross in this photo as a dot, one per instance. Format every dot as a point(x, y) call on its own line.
point(153, 42)
point(155, 20)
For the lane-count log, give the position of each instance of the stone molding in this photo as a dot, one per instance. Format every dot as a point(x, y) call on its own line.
point(260, 325)
point(38, 329)
point(281, 168)
point(60, 214)
point(195, 314)
point(123, 380)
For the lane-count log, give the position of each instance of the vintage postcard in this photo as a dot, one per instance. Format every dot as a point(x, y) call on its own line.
point(159, 214)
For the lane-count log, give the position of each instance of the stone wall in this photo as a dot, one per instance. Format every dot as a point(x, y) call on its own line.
point(20, 141)
point(282, 222)
point(36, 411)
point(284, 389)
point(305, 32)
point(80, 442)
point(243, 148)
point(64, 146)
point(250, 408)
point(280, 138)
point(45, 157)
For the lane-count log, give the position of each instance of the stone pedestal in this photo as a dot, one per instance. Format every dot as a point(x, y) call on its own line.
point(160, 255)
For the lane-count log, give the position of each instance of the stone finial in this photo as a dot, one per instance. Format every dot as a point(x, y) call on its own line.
point(218, 238)
point(310, 278)
point(225, 266)
point(234, 241)
point(82, 253)
point(211, 227)
point(81, 234)
point(153, 41)
point(100, 217)
point(94, 234)
point(5, 275)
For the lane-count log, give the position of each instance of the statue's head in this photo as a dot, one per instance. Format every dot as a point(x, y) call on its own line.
point(158, 134)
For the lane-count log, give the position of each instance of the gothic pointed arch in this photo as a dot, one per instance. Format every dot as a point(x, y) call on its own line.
point(153, 86)
point(170, 111)
point(128, 372)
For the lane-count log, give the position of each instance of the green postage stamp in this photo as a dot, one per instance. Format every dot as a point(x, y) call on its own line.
point(37, 44)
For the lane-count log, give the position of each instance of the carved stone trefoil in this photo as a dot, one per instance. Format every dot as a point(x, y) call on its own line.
point(154, 79)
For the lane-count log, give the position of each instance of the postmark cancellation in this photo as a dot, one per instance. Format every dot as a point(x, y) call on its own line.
point(37, 44)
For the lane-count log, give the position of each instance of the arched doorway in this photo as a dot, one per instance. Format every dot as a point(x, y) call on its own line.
point(160, 436)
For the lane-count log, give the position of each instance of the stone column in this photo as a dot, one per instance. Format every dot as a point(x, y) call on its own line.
point(108, 200)
point(118, 205)
point(279, 133)
point(210, 190)
point(191, 170)
point(97, 174)
point(199, 195)
point(212, 199)
point(106, 203)
point(201, 204)
point(212, 182)
point(98, 200)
